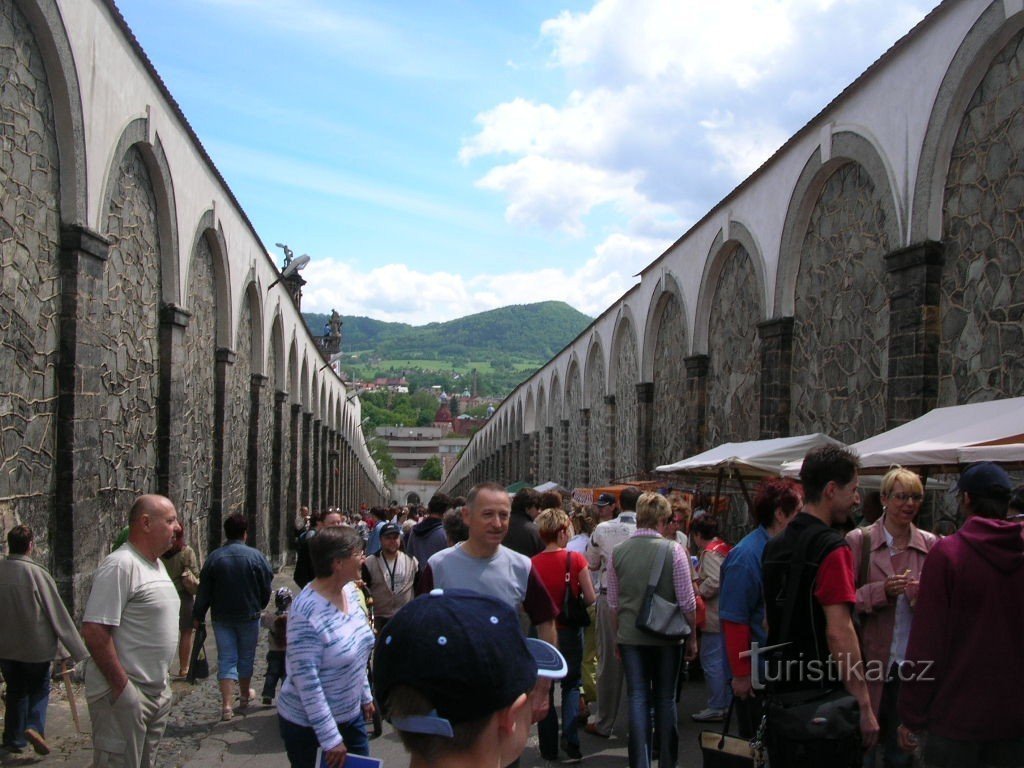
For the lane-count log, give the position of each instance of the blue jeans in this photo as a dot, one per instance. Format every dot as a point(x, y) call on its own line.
point(236, 649)
point(275, 673)
point(570, 643)
point(712, 661)
point(300, 742)
point(651, 672)
point(28, 694)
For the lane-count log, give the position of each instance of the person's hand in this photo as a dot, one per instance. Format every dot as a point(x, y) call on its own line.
point(896, 585)
point(868, 728)
point(335, 757)
point(742, 688)
point(691, 647)
point(907, 738)
point(116, 691)
point(368, 711)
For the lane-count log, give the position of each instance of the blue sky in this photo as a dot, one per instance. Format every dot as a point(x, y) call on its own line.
point(442, 158)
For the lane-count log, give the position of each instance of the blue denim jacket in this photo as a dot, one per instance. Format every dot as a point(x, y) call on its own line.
point(234, 583)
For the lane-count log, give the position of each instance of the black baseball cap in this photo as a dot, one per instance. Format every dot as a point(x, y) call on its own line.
point(465, 653)
point(983, 478)
point(605, 499)
point(390, 528)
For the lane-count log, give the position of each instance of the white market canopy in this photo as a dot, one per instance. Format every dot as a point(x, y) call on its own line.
point(752, 458)
point(946, 438)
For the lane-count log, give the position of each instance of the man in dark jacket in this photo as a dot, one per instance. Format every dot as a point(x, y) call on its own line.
point(961, 681)
point(235, 586)
point(427, 536)
point(523, 536)
point(303, 565)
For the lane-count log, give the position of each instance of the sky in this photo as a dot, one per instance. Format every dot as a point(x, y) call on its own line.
point(437, 159)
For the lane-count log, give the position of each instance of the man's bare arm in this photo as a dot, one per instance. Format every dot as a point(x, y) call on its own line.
point(546, 632)
point(845, 648)
point(100, 642)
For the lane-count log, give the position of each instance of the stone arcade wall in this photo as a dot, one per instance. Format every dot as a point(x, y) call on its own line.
point(123, 367)
point(871, 270)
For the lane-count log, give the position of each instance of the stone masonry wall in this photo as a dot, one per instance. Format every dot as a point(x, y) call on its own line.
point(840, 349)
point(29, 288)
point(598, 423)
point(734, 388)
point(266, 448)
point(628, 374)
point(982, 289)
point(577, 437)
point(129, 375)
point(555, 416)
point(236, 418)
point(670, 407)
point(200, 353)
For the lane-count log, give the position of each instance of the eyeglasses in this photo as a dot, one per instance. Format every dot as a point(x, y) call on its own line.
point(900, 498)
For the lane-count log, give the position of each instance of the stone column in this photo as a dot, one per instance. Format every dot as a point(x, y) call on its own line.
point(564, 458)
point(225, 359)
point(532, 451)
point(315, 498)
point(325, 469)
point(173, 321)
point(294, 499)
point(307, 455)
point(914, 331)
point(609, 452)
point(83, 256)
point(585, 473)
point(253, 503)
point(697, 395)
point(280, 518)
point(644, 425)
point(776, 375)
point(549, 449)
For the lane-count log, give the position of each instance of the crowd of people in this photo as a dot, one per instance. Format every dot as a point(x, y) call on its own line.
point(454, 621)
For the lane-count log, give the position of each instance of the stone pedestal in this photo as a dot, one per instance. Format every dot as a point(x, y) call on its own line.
point(776, 373)
point(644, 425)
point(697, 367)
point(609, 402)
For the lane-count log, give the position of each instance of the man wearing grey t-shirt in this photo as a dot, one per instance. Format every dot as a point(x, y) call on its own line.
point(130, 627)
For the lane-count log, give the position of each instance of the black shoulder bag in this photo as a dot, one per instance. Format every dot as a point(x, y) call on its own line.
point(574, 610)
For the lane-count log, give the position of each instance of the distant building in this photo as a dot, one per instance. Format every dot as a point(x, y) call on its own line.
point(411, 447)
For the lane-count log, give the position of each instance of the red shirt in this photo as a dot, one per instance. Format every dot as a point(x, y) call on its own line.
point(550, 567)
point(834, 584)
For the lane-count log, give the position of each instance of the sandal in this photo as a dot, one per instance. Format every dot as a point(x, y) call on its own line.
point(226, 714)
point(243, 701)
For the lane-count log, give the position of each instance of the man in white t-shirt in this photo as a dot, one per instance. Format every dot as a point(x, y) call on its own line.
point(130, 627)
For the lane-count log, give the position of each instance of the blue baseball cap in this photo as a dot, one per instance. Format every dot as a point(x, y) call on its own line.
point(465, 653)
point(983, 479)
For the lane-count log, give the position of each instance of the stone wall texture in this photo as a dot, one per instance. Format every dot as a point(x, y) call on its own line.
point(599, 448)
point(842, 311)
point(543, 449)
point(555, 416)
point(266, 448)
point(670, 407)
point(734, 386)
point(129, 375)
point(236, 421)
point(198, 373)
point(982, 289)
point(29, 287)
point(577, 433)
point(627, 372)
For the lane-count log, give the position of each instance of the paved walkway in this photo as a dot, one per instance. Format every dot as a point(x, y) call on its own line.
point(196, 738)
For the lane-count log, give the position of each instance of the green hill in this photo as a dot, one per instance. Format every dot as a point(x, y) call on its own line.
point(503, 345)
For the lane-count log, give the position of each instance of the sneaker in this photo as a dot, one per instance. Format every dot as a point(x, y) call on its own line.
point(549, 757)
point(14, 749)
point(35, 738)
point(591, 728)
point(267, 701)
point(572, 751)
point(708, 716)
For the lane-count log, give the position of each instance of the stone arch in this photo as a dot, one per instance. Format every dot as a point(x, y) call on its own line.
point(595, 391)
point(31, 194)
point(555, 422)
point(734, 307)
point(278, 374)
point(666, 344)
point(841, 299)
point(304, 392)
point(530, 420)
point(294, 382)
point(624, 375)
point(987, 38)
point(248, 360)
point(981, 289)
point(847, 147)
point(136, 138)
point(210, 236)
point(577, 434)
point(722, 249)
point(543, 446)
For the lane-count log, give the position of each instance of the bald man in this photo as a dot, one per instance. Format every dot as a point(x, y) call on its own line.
point(130, 627)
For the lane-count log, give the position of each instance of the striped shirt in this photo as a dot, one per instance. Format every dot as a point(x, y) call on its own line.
point(326, 664)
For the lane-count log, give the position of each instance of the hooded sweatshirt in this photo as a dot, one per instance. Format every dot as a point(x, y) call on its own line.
point(426, 538)
point(966, 636)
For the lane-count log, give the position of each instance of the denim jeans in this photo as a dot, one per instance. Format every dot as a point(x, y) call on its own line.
point(651, 672)
point(275, 673)
point(712, 661)
point(300, 742)
point(570, 643)
point(236, 648)
point(28, 694)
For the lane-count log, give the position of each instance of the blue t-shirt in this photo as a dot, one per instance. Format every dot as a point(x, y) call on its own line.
point(741, 599)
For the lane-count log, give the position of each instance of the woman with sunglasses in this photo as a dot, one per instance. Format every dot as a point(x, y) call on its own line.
point(887, 575)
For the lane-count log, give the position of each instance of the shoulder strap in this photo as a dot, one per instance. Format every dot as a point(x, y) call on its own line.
point(656, 565)
point(865, 556)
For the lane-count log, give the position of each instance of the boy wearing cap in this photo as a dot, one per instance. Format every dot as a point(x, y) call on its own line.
point(390, 575)
point(457, 679)
point(960, 686)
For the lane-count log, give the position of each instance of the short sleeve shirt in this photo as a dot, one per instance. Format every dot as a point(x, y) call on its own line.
point(834, 584)
point(137, 598)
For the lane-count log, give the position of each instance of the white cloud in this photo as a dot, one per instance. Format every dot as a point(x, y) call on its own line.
point(394, 292)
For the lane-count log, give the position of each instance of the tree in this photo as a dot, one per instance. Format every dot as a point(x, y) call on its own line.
point(431, 469)
point(382, 458)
